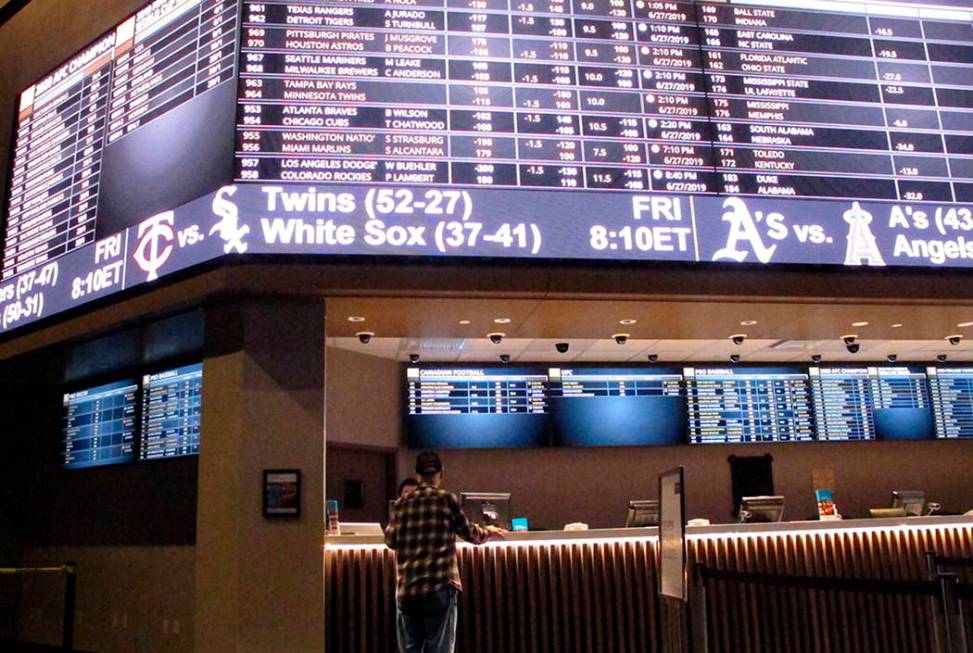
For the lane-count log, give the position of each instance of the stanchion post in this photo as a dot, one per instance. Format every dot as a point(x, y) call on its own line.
point(936, 604)
point(70, 588)
point(698, 610)
point(954, 636)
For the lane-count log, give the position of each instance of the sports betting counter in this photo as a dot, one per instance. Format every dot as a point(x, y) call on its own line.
point(596, 590)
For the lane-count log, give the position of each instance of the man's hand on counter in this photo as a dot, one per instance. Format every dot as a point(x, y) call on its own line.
point(496, 531)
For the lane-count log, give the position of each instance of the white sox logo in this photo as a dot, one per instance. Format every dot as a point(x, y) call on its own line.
point(229, 227)
point(155, 243)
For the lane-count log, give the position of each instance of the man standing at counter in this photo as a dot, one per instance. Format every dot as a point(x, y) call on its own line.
point(423, 533)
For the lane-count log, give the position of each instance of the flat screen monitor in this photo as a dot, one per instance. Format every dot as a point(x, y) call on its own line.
point(171, 405)
point(951, 392)
point(761, 509)
point(617, 406)
point(476, 407)
point(643, 512)
point(912, 501)
point(741, 404)
point(99, 425)
point(487, 508)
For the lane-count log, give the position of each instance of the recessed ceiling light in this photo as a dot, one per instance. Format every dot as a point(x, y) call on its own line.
point(963, 325)
point(859, 324)
point(897, 325)
point(355, 318)
point(628, 321)
point(465, 322)
point(748, 323)
point(502, 320)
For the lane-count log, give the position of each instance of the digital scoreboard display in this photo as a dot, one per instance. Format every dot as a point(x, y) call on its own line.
point(843, 402)
point(951, 391)
point(617, 406)
point(738, 405)
point(821, 132)
point(71, 126)
point(902, 409)
point(171, 405)
point(474, 407)
point(819, 99)
point(99, 425)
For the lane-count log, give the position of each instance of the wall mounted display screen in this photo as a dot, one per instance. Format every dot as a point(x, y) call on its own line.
point(902, 410)
point(100, 425)
point(820, 132)
point(951, 391)
point(753, 404)
point(124, 129)
point(171, 404)
point(476, 407)
point(617, 406)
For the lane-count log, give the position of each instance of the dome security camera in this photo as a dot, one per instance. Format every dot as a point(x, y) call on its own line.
point(738, 338)
point(653, 358)
point(892, 358)
point(562, 347)
point(954, 339)
point(413, 358)
point(941, 358)
point(853, 347)
point(815, 358)
point(621, 338)
point(365, 337)
point(504, 358)
point(734, 358)
point(496, 338)
point(849, 339)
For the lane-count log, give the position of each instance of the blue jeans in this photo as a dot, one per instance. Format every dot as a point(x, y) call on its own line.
point(427, 624)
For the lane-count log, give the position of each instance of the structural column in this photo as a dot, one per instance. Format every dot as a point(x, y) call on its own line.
point(259, 582)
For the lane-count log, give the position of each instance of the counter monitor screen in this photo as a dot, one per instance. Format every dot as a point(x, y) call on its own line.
point(911, 501)
point(761, 509)
point(748, 404)
point(476, 407)
point(171, 403)
point(487, 508)
point(644, 512)
point(617, 406)
point(951, 391)
point(99, 425)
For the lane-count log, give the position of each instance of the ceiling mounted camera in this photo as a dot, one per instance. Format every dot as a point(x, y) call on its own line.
point(850, 338)
point(496, 338)
point(954, 339)
point(504, 358)
point(734, 358)
point(621, 338)
point(815, 358)
point(562, 347)
point(413, 358)
point(892, 358)
point(738, 338)
point(653, 358)
point(853, 347)
point(365, 337)
point(941, 358)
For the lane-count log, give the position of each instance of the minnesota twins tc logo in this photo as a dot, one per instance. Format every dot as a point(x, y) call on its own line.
point(743, 228)
point(229, 227)
point(155, 243)
point(862, 248)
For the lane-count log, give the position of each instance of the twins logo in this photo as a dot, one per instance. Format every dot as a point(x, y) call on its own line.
point(155, 243)
point(229, 227)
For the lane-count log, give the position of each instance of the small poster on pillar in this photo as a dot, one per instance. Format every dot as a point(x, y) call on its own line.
point(282, 492)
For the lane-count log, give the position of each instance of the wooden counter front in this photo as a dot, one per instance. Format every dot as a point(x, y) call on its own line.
point(595, 591)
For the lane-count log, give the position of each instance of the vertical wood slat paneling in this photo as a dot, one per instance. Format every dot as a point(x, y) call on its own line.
point(600, 597)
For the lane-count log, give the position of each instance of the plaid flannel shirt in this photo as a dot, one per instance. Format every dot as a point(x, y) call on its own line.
point(423, 533)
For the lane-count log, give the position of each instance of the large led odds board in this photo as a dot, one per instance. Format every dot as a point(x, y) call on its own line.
point(747, 131)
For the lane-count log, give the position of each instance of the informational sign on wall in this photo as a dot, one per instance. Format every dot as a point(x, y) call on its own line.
point(672, 534)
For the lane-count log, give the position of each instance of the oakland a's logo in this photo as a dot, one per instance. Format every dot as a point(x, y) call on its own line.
point(155, 243)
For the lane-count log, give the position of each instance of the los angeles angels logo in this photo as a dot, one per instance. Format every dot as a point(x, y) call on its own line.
point(862, 248)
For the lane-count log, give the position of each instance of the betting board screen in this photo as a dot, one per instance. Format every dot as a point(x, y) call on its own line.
point(820, 132)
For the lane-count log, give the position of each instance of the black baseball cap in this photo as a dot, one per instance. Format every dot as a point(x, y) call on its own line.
point(428, 463)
